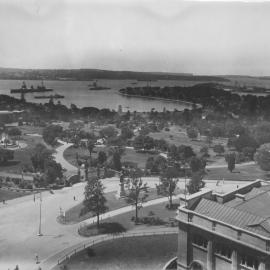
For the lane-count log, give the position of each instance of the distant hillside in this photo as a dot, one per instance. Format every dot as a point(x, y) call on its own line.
point(90, 74)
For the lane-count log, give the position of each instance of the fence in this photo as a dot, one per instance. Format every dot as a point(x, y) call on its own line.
point(108, 238)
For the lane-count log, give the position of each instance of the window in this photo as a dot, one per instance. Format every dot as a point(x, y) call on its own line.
point(199, 241)
point(249, 262)
point(267, 245)
point(239, 233)
point(214, 224)
point(223, 250)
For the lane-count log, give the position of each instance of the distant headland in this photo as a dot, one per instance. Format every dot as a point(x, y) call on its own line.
point(90, 74)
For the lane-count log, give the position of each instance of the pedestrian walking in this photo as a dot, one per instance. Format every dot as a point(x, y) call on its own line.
point(74, 198)
point(37, 259)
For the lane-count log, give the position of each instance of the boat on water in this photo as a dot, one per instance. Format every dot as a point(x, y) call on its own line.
point(56, 96)
point(24, 89)
point(95, 86)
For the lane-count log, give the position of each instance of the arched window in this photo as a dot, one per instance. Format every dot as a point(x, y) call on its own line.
point(196, 266)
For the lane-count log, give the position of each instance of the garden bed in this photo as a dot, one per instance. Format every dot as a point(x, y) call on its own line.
point(147, 252)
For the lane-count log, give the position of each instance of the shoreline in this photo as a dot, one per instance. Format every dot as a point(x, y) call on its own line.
point(163, 99)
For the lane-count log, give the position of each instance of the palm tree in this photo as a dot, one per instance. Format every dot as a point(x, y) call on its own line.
point(90, 147)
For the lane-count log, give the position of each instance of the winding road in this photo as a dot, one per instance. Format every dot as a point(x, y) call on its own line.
point(19, 221)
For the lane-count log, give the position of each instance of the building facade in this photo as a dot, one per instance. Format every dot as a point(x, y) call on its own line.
point(225, 232)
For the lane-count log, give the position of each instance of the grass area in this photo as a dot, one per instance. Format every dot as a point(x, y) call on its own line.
point(147, 252)
point(31, 129)
point(159, 210)
point(22, 156)
point(125, 220)
point(71, 152)
point(249, 172)
point(73, 214)
point(139, 158)
point(104, 228)
point(9, 195)
point(178, 136)
point(129, 155)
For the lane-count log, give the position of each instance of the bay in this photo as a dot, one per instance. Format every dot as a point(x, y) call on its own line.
point(76, 92)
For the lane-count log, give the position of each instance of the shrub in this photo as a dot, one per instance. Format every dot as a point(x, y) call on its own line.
point(174, 206)
point(152, 221)
point(109, 173)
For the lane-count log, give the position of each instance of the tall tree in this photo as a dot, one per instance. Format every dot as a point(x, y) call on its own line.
point(219, 149)
point(197, 167)
point(108, 131)
point(14, 132)
point(168, 184)
point(102, 157)
point(192, 133)
point(137, 191)
point(195, 183)
point(262, 157)
point(39, 156)
point(116, 153)
point(51, 133)
point(230, 159)
point(94, 199)
point(90, 147)
point(5, 155)
point(126, 132)
point(52, 171)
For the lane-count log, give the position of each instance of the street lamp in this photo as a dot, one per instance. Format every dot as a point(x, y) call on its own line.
point(185, 167)
point(39, 227)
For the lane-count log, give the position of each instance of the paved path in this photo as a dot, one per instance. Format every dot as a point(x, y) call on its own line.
point(59, 156)
point(16, 175)
point(213, 166)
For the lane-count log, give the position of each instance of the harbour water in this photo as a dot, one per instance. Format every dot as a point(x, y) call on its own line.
point(76, 92)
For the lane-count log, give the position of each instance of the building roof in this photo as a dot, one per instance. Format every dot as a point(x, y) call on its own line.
point(238, 218)
point(255, 202)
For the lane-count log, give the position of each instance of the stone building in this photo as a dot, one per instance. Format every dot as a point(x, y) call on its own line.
point(225, 231)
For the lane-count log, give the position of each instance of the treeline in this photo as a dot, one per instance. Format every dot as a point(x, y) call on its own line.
point(209, 95)
point(89, 74)
point(40, 113)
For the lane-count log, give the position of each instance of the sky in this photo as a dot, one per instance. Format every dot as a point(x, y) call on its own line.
point(152, 35)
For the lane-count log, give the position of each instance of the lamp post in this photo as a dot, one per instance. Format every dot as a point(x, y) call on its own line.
point(185, 184)
point(39, 227)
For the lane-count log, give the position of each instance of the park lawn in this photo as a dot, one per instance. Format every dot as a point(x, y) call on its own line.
point(141, 252)
point(21, 156)
point(129, 155)
point(73, 214)
point(139, 158)
point(26, 129)
point(159, 210)
point(9, 195)
point(249, 172)
point(71, 152)
point(178, 136)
